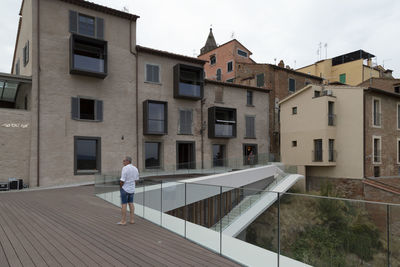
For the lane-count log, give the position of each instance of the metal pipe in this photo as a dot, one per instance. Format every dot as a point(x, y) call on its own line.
point(38, 96)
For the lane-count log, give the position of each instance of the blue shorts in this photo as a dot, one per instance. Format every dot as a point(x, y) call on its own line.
point(126, 197)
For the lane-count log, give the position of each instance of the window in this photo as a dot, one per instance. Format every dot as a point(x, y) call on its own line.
point(398, 150)
point(230, 80)
point(17, 67)
point(249, 96)
point(218, 155)
point(88, 56)
point(221, 122)
point(294, 110)
point(250, 154)
point(398, 116)
point(397, 89)
point(86, 109)
point(185, 121)
point(152, 73)
point(152, 155)
point(186, 157)
point(87, 155)
point(242, 53)
point(188, 82)
point(292, 85)
point(86, 25)
point(294, 143)
point(219, 74)
point(342, 78)
point(250, 127)
point(317, 93)
point(376, 171)
point(260, 80)
point(331, 157)
point(213, 59)
point(376, 156)
point(376, 112)
point(25, 53)
point(331, 116)
point(229, 66)
point(307, 83)
point(155, 117)
point(317, 150)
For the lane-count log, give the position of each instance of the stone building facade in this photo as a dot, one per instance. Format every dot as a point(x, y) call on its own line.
point(89, 96)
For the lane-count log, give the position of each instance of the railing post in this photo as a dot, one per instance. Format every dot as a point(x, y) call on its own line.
point(144, 191)
point(388, 233)
point(279, 228)
point(220, 220)
point(161, 212)
point(185, 211)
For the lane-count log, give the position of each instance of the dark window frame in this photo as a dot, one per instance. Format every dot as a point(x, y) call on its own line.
point(98, 109)
point(213, 59)
point(227, 66)
point(247, 160)
point(294, 85)
point(294, 110)
point(192, 164)
point(25, 53)
point(212, 121)
point(159, 155)
point(249, 98)
point(178, 68)
point(260, 80)
point(219, 162)
point(219, 74)
point(318, 155)
point(98, 30)
point(242, 53)
point(96, 43)
point(146, 113)
point(147, 76)
point(294, 143)
point(98, 156)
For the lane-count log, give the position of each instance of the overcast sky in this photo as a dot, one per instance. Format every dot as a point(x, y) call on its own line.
point(288, 30)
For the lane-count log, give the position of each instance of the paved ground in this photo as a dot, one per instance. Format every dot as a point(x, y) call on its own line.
point(72, 227)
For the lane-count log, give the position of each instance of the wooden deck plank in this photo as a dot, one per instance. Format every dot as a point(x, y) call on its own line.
point(75, 228)
point(15, 226)
point(3, 257)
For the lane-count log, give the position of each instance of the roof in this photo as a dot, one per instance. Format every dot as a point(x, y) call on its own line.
point(352, 56)
point(248, 87)
point(233, 40)
point(383, 92)
point(296, 93)
point(210, 43)
point(15, 78)
point(103, 9)
point(169, 55)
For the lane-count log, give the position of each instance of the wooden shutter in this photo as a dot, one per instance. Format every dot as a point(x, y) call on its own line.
point(75, 108)
point(99, 110)
point(189, 119)
point(250, 127)
point(156, 71)
point(24, 55)
point(100, 28)
point(73, 21)
point(185, 122)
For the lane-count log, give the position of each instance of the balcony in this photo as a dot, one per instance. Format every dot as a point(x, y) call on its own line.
point(188, 82)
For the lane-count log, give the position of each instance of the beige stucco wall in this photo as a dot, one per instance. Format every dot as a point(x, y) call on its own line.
point(57, 86)
point(15, 140)
point(311, 123)
point(232, 97)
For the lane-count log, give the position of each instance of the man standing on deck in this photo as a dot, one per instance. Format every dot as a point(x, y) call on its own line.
point(129, 176)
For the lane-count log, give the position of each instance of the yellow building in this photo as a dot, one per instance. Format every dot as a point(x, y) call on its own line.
point(352, 68)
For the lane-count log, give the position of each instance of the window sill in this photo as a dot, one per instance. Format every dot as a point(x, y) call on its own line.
point(86, 172)
point(185, 134)
point(377, 126)
point(83, 120)
point(95, 74)
point(377, 163)
point(250, 106)
point(250, 137)
point(150, 133)
point(155, 83)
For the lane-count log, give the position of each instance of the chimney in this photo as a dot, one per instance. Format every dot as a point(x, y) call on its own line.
point(369, 62)
point(281, 64)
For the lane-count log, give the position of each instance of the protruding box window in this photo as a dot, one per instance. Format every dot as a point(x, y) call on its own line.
point(155, 117)
point(188, 82)
point(88, 56)
point(221, 122)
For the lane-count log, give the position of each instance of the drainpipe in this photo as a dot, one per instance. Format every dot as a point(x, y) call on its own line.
point(38, 95)
point(202, 131)
point(364, 117)
point(136, 54)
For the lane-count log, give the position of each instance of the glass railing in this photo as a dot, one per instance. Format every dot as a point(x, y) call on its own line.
point(223, 130)
point(257, 226)
point(187, 89)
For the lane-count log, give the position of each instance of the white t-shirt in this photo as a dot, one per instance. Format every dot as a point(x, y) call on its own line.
point(129, 175)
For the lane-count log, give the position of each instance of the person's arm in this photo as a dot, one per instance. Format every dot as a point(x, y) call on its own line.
point(123, 178)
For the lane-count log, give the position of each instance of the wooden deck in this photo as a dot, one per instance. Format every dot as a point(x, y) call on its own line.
point(72, 227)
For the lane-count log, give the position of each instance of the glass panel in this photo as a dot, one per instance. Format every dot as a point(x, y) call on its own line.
point(86, 108)
point(86, 154)
point(332, 232)
point(88, 63)
point(10, 91)
point(187, 89)
point(173, 206)
point(223, 129)
point(1, 88)
point(86, 25)
point(155, 126)
point(156, 111)
point(218, 155)
point(202, 214)
point(152, 201)
point(152, 151)
point(292, 85)
point(250, 154)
